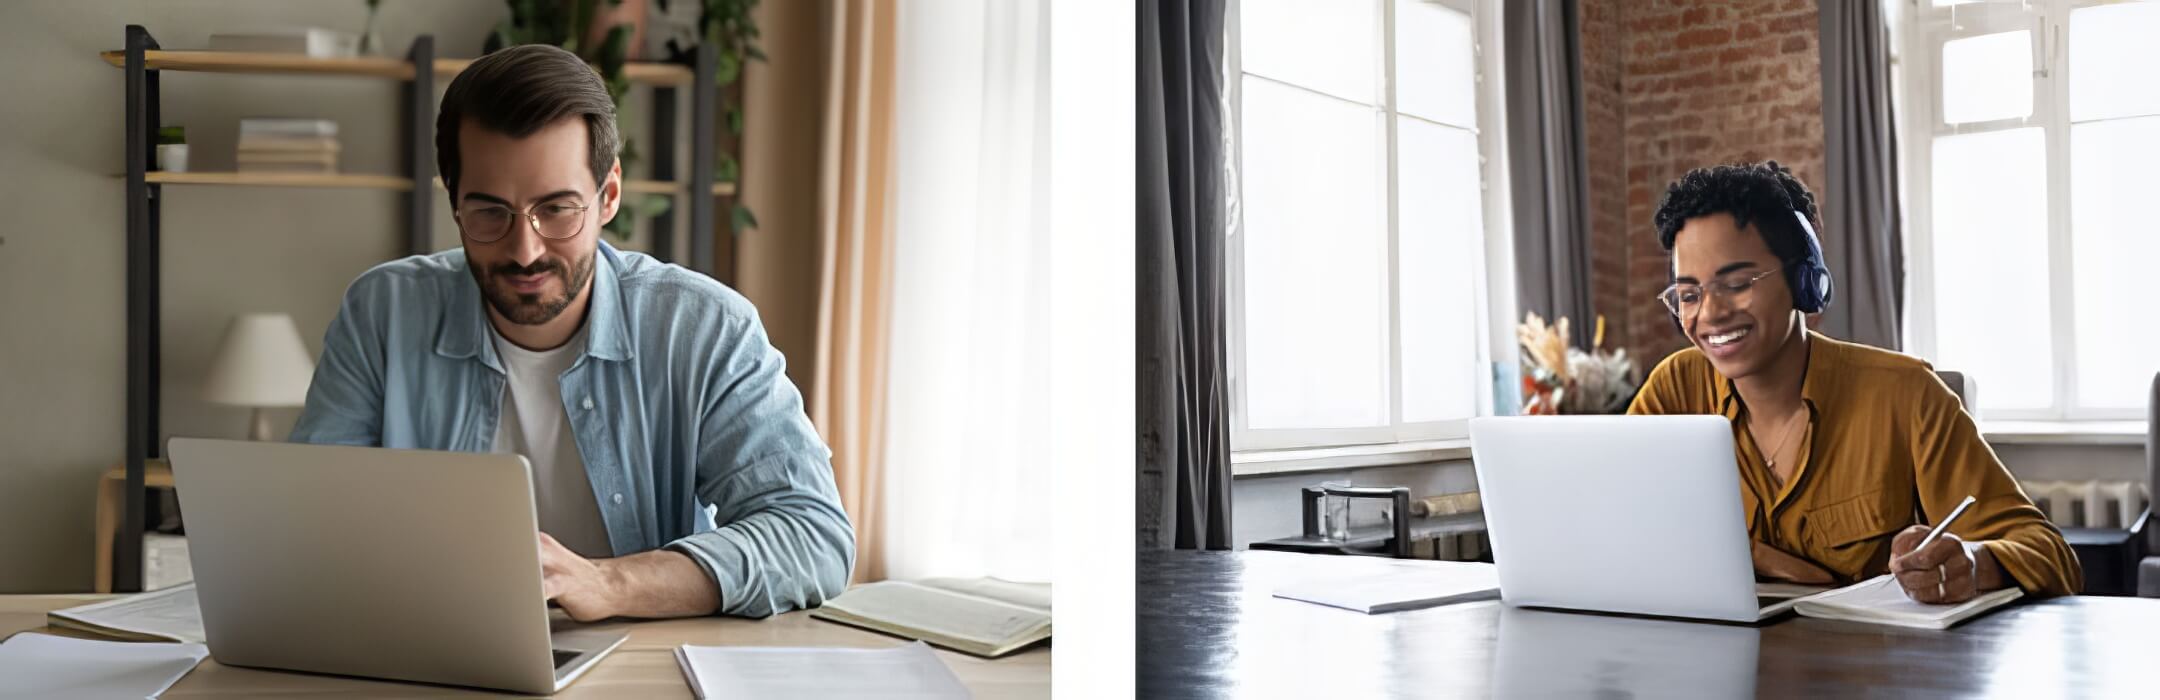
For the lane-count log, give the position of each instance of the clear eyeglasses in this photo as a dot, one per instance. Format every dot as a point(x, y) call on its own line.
point(554, 219)
point(1686, 299)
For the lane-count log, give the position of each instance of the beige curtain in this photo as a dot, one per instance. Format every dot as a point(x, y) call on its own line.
point(856, 223)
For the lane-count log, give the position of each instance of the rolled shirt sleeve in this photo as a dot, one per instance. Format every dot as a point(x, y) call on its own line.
point(783, 542)
point(1953, 462)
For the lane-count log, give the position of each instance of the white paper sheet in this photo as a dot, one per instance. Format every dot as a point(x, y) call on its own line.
point(171, 613)
point(910, 671)
point(1403, 585)
point(45, 666)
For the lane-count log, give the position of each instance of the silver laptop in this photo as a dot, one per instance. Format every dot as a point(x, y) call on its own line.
point(399, 564)
point(1624, 514)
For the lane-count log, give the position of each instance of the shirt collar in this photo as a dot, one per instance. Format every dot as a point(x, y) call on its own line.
point(1824, 355)
point(464, 330)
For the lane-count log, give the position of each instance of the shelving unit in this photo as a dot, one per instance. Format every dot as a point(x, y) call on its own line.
point(373, 182)
point(142, 59)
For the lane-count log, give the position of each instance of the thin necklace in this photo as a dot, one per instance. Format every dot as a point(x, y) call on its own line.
point(1770, 458)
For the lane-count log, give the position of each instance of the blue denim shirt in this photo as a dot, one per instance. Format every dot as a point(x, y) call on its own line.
point(692, 435)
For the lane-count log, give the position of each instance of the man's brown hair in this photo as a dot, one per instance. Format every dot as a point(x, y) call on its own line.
point(519, 90)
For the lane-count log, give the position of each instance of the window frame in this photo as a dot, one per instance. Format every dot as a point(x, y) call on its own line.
point(1492, 275)
point(1925, 29)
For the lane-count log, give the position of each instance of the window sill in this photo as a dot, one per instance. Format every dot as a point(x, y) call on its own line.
point(2099, 432)
point(1268, 462)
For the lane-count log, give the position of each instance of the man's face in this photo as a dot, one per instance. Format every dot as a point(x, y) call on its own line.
point(1741, 332)
point(526, 276)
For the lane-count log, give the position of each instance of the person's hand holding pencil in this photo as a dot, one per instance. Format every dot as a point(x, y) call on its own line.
point(1934, 566)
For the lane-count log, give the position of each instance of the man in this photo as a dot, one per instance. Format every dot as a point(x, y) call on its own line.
point(1846, 452)
point(674, 472)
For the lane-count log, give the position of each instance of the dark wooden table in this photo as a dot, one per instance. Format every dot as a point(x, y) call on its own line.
point(1208, 627)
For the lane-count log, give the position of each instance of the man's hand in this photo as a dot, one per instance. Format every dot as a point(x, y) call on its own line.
point(1771, 562)
point(1949, 570)
point(654, 584)
point(585, 588)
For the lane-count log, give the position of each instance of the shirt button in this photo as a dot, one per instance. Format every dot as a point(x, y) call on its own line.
point(618, 499)
point(588, 403)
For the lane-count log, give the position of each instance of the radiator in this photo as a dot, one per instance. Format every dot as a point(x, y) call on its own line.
point(2101, 504)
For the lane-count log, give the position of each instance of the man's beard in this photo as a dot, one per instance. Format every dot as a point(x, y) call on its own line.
point(530, 309)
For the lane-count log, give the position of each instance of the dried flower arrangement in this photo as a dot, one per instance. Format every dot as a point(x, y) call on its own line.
point(1559, 379)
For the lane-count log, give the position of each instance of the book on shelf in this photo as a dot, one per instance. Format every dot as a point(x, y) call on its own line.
point(288, 127)
point(289, 144)
point(312, 42)
point(287, 169)
point(986, 617)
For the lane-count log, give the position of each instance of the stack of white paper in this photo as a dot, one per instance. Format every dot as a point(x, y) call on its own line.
point(44, 666)
point(1403, 585)
point(165, 615)
point(909, 671)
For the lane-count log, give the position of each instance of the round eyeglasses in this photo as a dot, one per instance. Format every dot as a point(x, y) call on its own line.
point(1685, 299)
point(488, 222)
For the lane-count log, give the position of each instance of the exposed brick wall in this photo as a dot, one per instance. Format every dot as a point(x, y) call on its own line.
point(1603, 125)
point(1698, 83)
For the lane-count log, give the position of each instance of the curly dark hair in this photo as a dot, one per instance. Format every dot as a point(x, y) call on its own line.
point(1757, 193)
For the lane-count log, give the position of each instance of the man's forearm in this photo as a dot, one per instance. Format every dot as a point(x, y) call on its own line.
point(659, 583)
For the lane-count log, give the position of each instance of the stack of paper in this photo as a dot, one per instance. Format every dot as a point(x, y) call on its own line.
point(983, 616)
point(910, 672)
point(166, 615)
point(288, 145)
point(1880, 601)
point(36, 665)
point(1404, 585)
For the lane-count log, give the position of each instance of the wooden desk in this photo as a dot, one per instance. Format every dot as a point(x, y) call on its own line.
point(643, 667)
point(1208, 627)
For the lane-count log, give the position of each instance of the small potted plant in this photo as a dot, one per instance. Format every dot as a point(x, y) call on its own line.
point(172, 149)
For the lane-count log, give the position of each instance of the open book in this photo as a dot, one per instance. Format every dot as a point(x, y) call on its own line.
point(1880, 601)
point(983, 616)
point(165, 615)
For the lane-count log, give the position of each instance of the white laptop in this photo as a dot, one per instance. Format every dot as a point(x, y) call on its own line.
point(399, 564)
point(1622, 514)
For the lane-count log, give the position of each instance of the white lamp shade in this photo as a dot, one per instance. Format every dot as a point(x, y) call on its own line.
point(261, 362)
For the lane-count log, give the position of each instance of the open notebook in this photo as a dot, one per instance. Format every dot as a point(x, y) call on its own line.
point(1880, 601)
point(986, 617)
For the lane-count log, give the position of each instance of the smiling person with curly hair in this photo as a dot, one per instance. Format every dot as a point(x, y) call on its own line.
point(1845, 451)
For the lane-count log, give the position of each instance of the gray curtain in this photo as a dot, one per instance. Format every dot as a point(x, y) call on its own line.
point(1547, 162)
point(1183, 388)
point(1861, 221)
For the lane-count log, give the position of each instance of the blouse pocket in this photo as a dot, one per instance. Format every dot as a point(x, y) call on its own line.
point(1843, 535)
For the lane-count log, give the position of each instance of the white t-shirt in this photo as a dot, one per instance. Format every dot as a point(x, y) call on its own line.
point(535, 424)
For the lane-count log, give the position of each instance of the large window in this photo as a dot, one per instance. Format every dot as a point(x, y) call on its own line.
point(1359, 220)
point(2033, 129)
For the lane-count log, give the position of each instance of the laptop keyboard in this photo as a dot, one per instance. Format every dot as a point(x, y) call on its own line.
point(563, 658)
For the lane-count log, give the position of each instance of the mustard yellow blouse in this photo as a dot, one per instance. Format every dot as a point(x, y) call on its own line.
point(1887, 446)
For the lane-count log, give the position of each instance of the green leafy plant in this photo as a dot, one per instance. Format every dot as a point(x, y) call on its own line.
point(566, 23)
point(731, 26)
point(171, 135)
